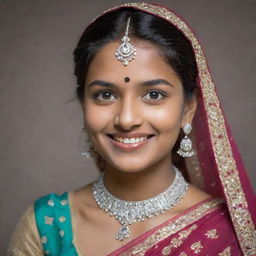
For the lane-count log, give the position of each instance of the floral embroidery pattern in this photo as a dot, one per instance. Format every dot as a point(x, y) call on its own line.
point(226, 252)
point(212, 234)
point(62, 219)
point(44, 239)
point(226, 164)
point(177, 241)
point(183, 254)
point(197, 247)
point(62, 233)
point(166, 250)
point(64, 202)
point(173, 227)
point(50, 202)
point(48, 220)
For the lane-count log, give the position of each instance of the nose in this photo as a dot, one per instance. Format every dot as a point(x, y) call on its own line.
point(129, 115)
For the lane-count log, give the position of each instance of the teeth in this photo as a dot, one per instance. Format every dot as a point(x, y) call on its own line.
point(130, 140)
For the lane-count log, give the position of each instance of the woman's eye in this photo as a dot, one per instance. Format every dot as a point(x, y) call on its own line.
point(154, 95)
point(104, 96)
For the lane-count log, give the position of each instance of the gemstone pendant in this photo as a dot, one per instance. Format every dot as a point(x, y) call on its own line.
point(123, 233)
point(125, 52)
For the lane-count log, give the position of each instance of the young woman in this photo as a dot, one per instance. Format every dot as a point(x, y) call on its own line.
point(171, 181)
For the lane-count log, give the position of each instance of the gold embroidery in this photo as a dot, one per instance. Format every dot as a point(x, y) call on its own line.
point(185, 233)
point(64, 202)
point(183, 254)
point(44, 239)
point(212, 233)
point(225, 161)
point(226, 252)
point(177, 241)
point(197, 247)
point(50, 202)
point(166, 250)
point(173, 227)
point(48, 220)
point(62, 233)
point(62, 219)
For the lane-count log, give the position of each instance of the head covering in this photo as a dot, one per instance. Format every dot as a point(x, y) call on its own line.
point(217, 167)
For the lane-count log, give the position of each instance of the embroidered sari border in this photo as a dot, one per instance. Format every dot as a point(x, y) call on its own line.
point(224, 158)
point(172, 227)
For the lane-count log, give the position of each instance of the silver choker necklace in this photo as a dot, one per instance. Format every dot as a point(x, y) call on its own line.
point(128, 212)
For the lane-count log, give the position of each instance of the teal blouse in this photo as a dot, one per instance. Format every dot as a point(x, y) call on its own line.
point(53, 219)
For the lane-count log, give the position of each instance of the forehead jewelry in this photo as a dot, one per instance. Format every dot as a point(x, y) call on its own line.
point(126, 52)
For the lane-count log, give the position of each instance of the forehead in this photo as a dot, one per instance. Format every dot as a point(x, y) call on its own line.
point(148, 64)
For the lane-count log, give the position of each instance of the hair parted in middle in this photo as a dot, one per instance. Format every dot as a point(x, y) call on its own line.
point(171, 43)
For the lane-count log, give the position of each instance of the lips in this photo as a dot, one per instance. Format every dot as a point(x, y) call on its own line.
point(128, 142)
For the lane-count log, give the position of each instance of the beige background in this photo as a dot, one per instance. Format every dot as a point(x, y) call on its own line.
point(40, 121)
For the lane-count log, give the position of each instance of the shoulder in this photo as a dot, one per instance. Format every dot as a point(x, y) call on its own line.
point(51, 200)
point(25, 239)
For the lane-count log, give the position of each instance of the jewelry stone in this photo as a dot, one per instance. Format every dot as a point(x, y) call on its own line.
point(185, 149)
point(126, 52)
point(128, 212)
point(187, 129)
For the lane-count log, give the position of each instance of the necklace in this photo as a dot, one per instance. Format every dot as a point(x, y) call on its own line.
point(128, 212)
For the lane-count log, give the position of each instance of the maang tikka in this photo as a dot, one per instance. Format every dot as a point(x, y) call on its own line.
point(126, 52)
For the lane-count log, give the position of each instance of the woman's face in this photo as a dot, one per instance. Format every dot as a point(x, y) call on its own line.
point(133, 114)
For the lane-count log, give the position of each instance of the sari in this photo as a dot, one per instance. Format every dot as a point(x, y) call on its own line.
point(224, 226)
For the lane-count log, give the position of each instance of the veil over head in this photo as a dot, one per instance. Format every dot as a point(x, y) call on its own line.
point(216, 167)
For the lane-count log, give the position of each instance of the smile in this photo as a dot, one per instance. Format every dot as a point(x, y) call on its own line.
point(130, 140)
point(130, 143)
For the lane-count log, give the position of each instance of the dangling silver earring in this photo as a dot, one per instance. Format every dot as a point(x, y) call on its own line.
point(86, 146)
point(185, 149)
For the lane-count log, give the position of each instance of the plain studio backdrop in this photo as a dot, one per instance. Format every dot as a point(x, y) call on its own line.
point(40, 118)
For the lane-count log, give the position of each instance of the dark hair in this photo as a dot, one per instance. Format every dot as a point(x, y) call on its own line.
point(174, 46)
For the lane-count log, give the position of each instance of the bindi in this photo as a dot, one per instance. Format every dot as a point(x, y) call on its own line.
point(127, 79)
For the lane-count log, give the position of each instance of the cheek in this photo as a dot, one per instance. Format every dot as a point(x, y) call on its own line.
point(96, 117)
point(167, 118)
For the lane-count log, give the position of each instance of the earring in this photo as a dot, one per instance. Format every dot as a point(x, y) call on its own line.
point(185, 149)
point(86, 146)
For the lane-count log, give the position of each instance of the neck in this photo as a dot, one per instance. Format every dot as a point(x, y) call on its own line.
point(141, 185)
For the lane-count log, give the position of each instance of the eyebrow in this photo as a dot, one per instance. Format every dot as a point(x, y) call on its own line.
point(146, 83)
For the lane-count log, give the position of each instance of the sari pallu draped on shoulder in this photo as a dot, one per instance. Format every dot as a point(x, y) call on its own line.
point(204, 229)
point(210, 228)
point(217, 167)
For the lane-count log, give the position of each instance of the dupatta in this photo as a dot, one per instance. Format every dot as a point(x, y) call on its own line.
point(216, 167)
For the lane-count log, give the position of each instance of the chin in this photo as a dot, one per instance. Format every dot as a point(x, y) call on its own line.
point(134, 164)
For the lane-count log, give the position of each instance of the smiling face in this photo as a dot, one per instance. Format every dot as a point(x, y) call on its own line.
point(134, 123)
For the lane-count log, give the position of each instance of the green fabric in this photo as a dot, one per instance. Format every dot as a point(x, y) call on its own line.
point(53, 219)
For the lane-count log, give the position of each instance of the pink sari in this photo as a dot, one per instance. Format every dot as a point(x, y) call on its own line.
point(204, 228)
point(227, 229)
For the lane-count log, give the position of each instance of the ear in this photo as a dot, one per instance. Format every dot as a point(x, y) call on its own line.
point(189, 110)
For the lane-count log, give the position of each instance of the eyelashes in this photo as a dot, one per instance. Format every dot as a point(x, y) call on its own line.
point(151, 95)
point(104, 95)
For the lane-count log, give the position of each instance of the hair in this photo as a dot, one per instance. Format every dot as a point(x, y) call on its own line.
point(173, 45)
